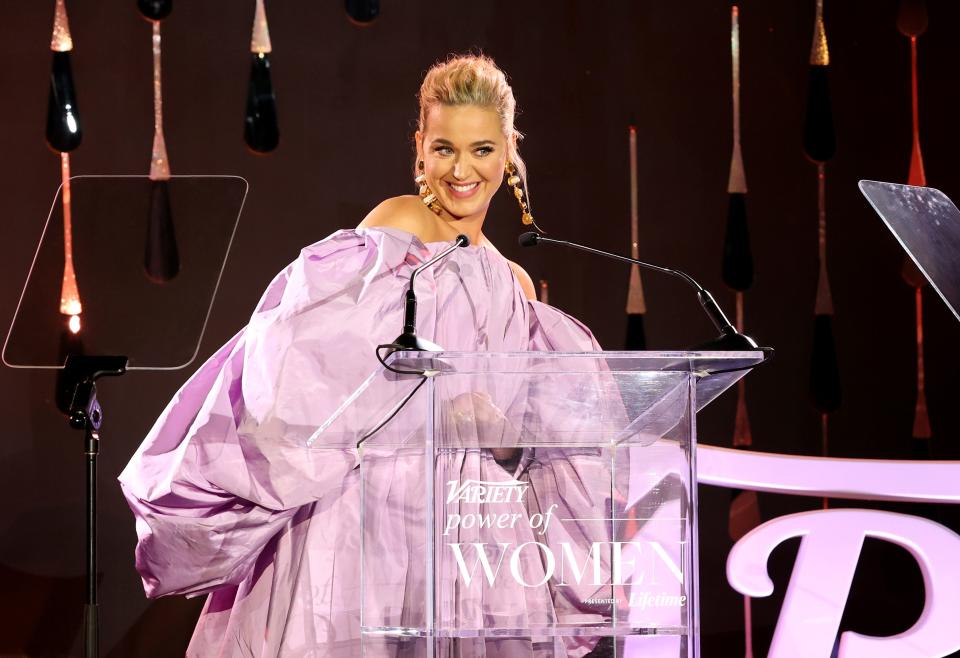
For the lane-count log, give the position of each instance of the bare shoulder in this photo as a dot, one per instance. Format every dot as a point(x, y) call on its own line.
point(526, 283)
point(402, 212)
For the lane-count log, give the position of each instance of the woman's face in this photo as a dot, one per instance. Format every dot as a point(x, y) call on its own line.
point(464, 151)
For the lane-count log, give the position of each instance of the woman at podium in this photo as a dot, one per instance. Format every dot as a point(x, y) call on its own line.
point(228, 501)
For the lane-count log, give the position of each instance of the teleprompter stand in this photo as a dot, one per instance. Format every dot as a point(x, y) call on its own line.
point(84, 413)
point(122, 302)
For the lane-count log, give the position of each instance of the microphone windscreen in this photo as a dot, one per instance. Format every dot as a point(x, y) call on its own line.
point(463, 240)
point(529, 239)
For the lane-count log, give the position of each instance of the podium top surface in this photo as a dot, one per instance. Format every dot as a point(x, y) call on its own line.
point(703, 364)
point(637, 383)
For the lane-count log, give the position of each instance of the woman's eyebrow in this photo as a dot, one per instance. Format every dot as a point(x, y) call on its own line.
point(482, 142)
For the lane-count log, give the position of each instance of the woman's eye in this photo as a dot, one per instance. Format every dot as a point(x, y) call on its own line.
point(443, 150)
point(484, 151)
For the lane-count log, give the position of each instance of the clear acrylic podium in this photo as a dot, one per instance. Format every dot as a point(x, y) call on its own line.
point(531, 504)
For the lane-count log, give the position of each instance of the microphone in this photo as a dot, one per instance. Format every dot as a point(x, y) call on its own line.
point(730, 339)
point(408, 340)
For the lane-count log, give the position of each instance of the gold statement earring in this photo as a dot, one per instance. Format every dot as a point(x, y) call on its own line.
point(426, 194)
point(513, 180)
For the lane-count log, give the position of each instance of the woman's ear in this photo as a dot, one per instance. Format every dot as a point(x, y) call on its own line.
point(418, 140)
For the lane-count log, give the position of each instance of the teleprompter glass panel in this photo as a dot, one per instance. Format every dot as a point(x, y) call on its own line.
point(147, 258)
point(926, 223)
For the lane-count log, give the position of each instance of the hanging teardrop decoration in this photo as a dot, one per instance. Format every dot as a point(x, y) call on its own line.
point(362, 12)
point(60, 40)
point(64, 132)
point(737, 256)
point(71, 343)
point(737, 266)
point(71, 340)
point(159, 162)
point(636, 304)
point(261, 131)
point(742, 436)
point(921, 417)
point(155, 10)
point(917, 175)
point(825, 385)
point(737, 272)
point(819, 139)
point(69, 292)
point(824, 369)
point(912, 21)
point(819, 145)
point(744, 514)
point(744, 504)
point(912, 18)
point(544, 292)
point(260, 39)
point(161, 256)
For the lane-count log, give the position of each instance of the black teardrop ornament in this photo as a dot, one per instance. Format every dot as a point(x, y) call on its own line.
point(744, 514)
point(636, 334)
point(64, 133)
point(737, 257)
point(260, 127)
point(161, 258)
point(912, 274)
point(155, 10)
point(824, 368)
point(362, 12)
point(70, 344)
point(912, 17)
point(819, 139)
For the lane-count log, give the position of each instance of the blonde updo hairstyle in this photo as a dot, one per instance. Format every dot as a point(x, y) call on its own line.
point(472, 80)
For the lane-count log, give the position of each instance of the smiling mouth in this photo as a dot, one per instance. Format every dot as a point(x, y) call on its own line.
point(462, 190)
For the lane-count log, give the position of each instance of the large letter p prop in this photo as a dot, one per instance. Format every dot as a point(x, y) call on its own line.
point(823, 572)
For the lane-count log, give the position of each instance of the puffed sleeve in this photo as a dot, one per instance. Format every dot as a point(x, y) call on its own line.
point(227, 464)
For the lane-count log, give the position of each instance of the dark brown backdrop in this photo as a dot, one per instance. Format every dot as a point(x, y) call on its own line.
point(581, 71)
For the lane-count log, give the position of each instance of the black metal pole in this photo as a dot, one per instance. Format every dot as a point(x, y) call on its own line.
point(91, 620)
point(80, 374)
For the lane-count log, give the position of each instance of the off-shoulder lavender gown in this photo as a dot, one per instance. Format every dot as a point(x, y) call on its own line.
point(229, 502)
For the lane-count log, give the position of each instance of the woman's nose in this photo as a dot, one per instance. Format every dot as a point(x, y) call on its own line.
point(459, 170)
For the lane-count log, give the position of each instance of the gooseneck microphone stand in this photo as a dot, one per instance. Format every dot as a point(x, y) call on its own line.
point(84, 413)
point(408, 339)
point(729, 339)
